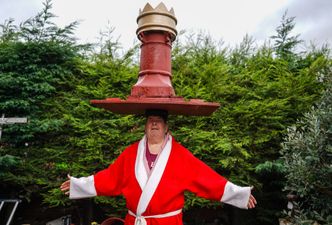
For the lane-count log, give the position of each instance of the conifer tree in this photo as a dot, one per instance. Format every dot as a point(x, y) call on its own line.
point(285, 43)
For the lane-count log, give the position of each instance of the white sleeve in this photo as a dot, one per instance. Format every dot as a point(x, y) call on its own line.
point(236, 195)
point(83, 187)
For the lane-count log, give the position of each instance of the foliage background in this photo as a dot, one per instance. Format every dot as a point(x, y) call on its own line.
point(46, 76)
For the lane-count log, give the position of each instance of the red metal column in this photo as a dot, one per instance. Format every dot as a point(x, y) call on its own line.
point(155, 66)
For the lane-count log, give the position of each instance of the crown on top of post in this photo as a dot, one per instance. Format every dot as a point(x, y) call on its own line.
point(158, 19)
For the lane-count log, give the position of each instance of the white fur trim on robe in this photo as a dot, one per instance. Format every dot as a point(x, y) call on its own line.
point(150, 183)
point(236, 195)
point(140, 170)
point(83, 187)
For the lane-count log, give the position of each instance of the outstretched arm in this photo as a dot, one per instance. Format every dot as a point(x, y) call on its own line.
point(207, 183)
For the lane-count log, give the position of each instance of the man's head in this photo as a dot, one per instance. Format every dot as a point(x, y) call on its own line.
point(156, 124)
point(157, 112)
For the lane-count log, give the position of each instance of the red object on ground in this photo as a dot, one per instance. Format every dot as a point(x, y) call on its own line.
point(113, 221)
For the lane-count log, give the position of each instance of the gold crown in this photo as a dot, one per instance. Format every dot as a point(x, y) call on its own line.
point(159, 18)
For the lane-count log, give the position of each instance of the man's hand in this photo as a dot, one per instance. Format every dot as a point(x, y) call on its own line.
point(65, 186)
point(252, 202)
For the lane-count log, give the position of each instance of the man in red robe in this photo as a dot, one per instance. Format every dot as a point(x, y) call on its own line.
point(153, 175)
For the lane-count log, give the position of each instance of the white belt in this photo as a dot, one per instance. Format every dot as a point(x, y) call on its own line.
point(140, 220)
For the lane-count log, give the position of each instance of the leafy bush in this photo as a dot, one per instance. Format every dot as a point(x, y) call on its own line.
point(307, 155)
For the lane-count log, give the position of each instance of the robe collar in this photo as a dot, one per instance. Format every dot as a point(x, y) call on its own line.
point(150, 183)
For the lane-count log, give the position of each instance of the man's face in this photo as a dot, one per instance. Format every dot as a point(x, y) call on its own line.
point(155, 127)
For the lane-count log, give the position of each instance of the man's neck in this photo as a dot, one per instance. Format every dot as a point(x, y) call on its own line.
point(155, 145)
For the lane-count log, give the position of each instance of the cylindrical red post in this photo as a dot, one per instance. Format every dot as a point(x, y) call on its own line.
point(155, 53)
point(155, 66)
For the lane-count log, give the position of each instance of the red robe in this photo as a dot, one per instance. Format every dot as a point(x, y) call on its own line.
point(183, 172)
